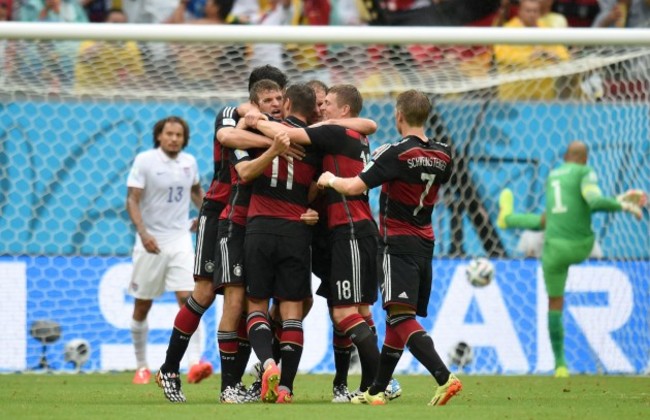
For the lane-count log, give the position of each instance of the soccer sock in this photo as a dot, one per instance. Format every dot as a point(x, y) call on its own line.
point(356, 328)
point(194, 348)
point(371, 324)
point(243, 350)
point(259, 335)
point(139, 333)
point(422, 348)
point(291, 350)
point(391, 352)
point(276, 326)
point(342, 351)
point(524, 221)
point(228, 346)
point(186, 323)
point(556, 332)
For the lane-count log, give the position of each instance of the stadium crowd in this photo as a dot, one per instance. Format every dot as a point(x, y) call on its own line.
point(556, 13)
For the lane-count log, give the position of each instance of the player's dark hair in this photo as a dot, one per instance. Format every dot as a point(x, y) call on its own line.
point(415, 106)
point(114, 10)
point(303, 99)
point(160, 126)
point(348, 95)
point(260, 87)
point(267, 72)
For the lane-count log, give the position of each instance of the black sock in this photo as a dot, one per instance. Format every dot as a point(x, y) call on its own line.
point(228, 346)
point(291, 350)
point(243, 349)
point(366, 344)
point(388, 360)
point(342, 352)
point(276, 326)
point(422, 348)
point(186, 322)
point(259, 335)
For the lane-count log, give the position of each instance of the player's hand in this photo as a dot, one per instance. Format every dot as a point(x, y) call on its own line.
point(310, 217)
point(324, 179)
point(295, 151)
point(194, 225)
point(281, 143)
point(633, 209)
point(637, 197)
point(252, 117)
point(150, 243)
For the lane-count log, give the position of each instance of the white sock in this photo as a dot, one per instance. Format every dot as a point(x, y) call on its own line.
point(194, 348)
point(139, 333)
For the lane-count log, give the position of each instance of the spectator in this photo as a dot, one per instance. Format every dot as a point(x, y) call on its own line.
point(623, 14)
point(5, 14)
point(53, 11)
point(5, 10)
point(280, 12)
point(214, 12)
point(96, 9)
point(108, 65)
point(149, 11)
point(518, 57)
point(579, 13)
point(550, 18)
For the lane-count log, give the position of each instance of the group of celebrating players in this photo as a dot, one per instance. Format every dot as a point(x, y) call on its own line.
point(266, 223)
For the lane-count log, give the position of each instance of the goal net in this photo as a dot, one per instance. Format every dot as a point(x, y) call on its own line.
point(74, 114)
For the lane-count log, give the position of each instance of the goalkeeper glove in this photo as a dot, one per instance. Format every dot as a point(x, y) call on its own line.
point(632, 208)
point(637, 197)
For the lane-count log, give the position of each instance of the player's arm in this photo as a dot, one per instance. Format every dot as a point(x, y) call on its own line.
point(196, 194)
point(360, 125)
point(251, 169)
point(271, 128)
point(236, 138)
point(594, 197)
point(345, 186)
point(133, 198)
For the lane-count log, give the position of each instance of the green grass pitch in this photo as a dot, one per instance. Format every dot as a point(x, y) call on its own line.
point(63, 396)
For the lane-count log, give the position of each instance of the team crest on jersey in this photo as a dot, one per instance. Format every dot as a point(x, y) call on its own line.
point(187, 170)
point(209, 267)
point(237, 270)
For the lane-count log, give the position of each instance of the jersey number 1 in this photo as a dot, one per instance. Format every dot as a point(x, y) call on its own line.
point(558, 207)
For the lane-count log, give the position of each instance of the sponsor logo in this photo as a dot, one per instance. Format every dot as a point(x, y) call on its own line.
point(262, 327)
point(287, 348)
point(403, 295)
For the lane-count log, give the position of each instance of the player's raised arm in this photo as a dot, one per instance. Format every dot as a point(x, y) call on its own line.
point(361, 125)
point(236, 138)
point(271, 128)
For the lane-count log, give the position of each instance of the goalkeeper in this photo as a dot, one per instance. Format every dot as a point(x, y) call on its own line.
point(572, 194)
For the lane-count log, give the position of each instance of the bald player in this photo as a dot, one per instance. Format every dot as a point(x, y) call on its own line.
point(572, 194)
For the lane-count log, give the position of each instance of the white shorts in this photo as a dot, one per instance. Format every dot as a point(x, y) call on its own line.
point(170, 270)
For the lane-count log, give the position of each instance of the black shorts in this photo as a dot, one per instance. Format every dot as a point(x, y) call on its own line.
point(205, 251)
point(230, 266)
point(278, 266)
point(405, 279)
point(353, 277)
point(321, 253)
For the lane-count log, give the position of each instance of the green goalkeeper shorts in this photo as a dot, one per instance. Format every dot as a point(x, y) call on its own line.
point(557, 256)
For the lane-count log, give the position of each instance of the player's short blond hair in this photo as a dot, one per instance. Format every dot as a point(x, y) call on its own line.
point(415, 106)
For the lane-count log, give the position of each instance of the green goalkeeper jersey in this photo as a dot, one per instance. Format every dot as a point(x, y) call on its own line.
point(572, 194)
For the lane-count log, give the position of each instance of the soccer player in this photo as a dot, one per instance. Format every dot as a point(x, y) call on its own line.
point(411, 172)
point(572, 194)
point(353, 232)
point(229, 275)
point(277, 252)
point(206, 251)
point(162, 183)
